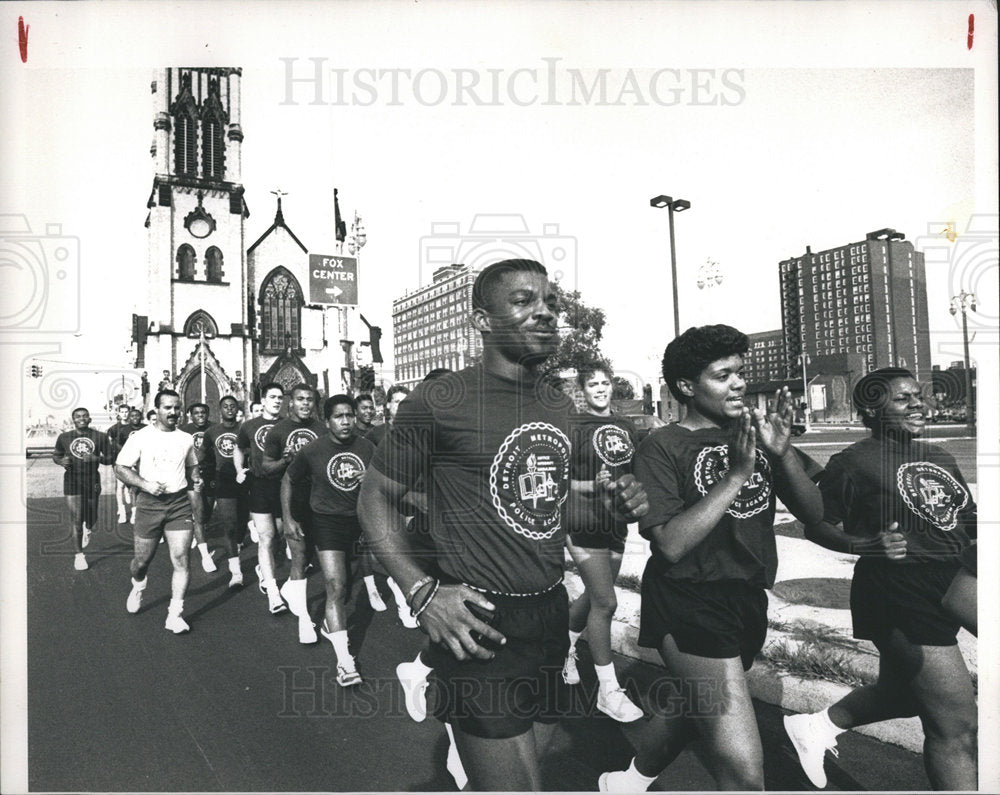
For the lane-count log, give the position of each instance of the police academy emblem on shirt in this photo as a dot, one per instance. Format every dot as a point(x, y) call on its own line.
point(199, 439)
point(260, 434)
point(343, 470)
point(298, 439)
point(82, 447)
point(712, 465)
point(225, 443)
point(613, 445)
point(931, 493)
point(529, 479)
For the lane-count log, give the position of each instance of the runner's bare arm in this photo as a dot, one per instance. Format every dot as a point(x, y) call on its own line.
point(239, 462)
point(889, 543)
point(446, 618)
point(292, 526)
point(130, 477)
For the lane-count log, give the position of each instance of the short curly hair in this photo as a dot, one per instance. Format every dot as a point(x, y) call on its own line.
point(871, 393)
point(688, 355)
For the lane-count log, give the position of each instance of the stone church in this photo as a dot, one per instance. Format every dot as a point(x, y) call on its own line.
point(221, 317)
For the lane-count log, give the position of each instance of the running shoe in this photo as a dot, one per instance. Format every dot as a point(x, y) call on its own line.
point(347, 673)
point(80, 562)
point(570, 673)
point(811, 744)
point(618, 705)
point(260, 579)
point(414, 689)
point(85, 537)
point(134, 601)
point(236, 580)
point(307, 630)
point(617, 781)
point(207, 563)
point(176, 624)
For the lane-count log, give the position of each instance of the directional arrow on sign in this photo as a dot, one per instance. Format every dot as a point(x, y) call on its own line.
point(336, 292)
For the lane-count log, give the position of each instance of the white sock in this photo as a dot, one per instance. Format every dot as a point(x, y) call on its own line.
point(424, 669)
point(400, 599)
point(176, 607)
point(824, 723)
point(642, 782)
point(573, 638)
point(234, 565)
point(339, 641)
point(139, 584)
point(370, 584)
point(607, 677)
point(271, 586)
point(203, 548)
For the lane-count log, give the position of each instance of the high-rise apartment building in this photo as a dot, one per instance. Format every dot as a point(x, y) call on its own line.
point(431, 326)
point(765, 359)
point(868, 297)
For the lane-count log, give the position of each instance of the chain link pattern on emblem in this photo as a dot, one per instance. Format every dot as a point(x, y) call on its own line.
point(724, 450)
point(926, 515)
point(534, 535)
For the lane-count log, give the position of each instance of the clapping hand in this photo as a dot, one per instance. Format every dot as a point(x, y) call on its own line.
point(774, 430)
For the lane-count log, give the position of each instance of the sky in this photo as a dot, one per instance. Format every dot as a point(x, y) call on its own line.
point(784, 124)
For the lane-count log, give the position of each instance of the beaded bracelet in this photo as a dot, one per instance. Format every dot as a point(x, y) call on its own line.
point(423, 605)
point(416, 587)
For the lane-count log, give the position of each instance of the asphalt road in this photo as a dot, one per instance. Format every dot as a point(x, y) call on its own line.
point(116, 703)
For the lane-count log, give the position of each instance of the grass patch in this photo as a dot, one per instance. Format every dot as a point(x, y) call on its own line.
point(809, 660)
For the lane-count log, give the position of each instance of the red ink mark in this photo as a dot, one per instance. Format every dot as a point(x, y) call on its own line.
point(22, 38)
point(972, 29)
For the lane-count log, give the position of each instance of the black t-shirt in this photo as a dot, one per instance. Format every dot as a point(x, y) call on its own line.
point(217, 447)
point(332, 469)
point(84, 451)
point(198, 434)
point(677, 467)
point(377, 433)
point(874, 483)
point(117, 434)
point(495, 454)
point(606, 442)
point(250, 437)
point(290, 436)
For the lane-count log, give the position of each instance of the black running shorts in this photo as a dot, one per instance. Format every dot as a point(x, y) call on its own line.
point(906, 596)
point(611, 538)
point(331, 532)
point(265, 495)
point(522, 684)
point(720, 619)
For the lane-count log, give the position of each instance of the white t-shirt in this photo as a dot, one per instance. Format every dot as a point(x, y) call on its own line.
point(160, 456)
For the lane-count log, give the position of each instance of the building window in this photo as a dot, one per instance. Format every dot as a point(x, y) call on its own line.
point(280, 313)
point(185, 263)
point(213, 265)
point(213, 149)
point(185, 143)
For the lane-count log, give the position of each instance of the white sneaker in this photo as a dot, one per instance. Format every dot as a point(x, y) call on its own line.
point(618, 705)
point(236, 580)
point(134, 601)
point(207, 563)
point(407, 617)
point(253, 532)
point(176, 624)
point(376, 601)
point(414, 690)
point(347, 672)
point(570, 673)
point(617, 781)
point(811, 744)
point(80, 562)
point(260, 579)
point(85, 538)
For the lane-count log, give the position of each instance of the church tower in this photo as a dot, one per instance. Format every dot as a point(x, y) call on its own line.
point(193, 333)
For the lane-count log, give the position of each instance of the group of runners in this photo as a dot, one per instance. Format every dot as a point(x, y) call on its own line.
point(470, 494)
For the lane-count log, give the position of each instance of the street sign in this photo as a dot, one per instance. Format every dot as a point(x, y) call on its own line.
point(333, 280)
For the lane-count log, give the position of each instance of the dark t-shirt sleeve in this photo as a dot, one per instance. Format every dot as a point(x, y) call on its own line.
point(837, 488)
point(656, 469)
point(272, 446)
point(404, 454)
point(243, 438)
point(298, 470)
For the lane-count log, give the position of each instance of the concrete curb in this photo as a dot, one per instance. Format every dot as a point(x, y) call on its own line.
point(766, 682)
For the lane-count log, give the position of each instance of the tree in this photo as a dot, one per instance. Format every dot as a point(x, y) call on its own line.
point(579, 347)
point(622, 389)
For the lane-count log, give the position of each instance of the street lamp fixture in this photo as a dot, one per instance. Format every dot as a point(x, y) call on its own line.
point(673, 206)
point(965, 302)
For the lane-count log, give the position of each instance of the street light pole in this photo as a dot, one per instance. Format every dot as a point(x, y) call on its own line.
point(355, 243)
point(672, 205)
point(961, 302)
point(804, 359)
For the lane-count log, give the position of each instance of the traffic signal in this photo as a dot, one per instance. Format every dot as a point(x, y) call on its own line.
point(36, 371)
point(374, 335)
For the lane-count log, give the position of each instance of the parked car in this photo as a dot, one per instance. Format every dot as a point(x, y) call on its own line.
point(644, 423)
point(798, 429)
